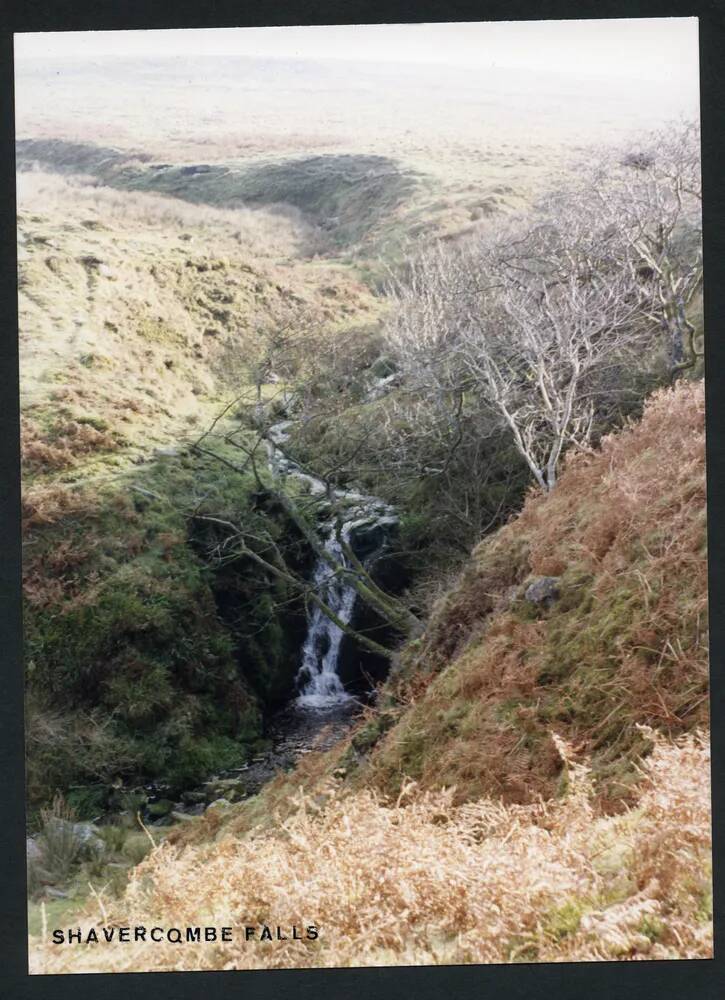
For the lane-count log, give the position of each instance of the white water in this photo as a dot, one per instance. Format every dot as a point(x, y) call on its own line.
point(318, 679)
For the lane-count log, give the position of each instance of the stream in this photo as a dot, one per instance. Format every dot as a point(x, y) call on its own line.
point(321, 709)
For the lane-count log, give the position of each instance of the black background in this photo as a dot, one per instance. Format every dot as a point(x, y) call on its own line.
point(614, 980)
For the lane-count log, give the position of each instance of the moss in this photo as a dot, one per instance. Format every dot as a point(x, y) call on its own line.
point(368, 735)
point(652, 927)
point(161, 808)
point(97, 423)
point(522, 949)
point(143, 633)
point(159, 331)
point(195, 759)
point(564, 920)
point(704, 909)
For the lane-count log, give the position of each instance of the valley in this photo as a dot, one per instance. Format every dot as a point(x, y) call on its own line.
point(304, 563)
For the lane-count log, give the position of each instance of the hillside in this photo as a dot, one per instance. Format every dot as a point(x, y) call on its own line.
point(140, 319)
point(502, 700)
point(615, 639)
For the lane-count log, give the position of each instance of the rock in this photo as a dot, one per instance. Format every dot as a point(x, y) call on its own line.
point(193, 798)
point(182, 817)
point(370, 535)
point(161, 808)
point(167, 452)
point(544, 591)
point(88, 834)
point(219, 805)
point(85, 833)
point(56, 893)
point(232, 789)
point(33, 851)
point(219, 784)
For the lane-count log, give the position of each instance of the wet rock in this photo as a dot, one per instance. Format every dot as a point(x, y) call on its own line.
point(543, 591)
point(193, 797)
point(156, 810)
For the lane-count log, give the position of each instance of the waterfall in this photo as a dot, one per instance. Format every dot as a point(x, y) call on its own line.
point(318, 679)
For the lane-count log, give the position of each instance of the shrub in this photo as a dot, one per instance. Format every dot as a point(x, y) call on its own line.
point(61, 843)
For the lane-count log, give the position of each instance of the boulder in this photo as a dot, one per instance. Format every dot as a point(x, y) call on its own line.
point(231, 789)
point(543, 591)
point(182, 817)
point(86, 834)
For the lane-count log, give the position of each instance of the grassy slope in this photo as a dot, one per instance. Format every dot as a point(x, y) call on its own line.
point(138, 321)
point(473, 704)
point(503, 702)
point(368, 209)
point(625, 644)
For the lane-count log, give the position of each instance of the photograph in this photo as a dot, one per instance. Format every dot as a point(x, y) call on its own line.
point(363, 491)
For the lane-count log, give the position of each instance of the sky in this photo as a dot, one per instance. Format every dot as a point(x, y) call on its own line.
point(633, 48)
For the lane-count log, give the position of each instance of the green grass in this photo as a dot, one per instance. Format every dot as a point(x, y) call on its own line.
point(168, 658)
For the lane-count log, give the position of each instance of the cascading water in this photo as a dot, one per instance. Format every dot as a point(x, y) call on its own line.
point(318, 678)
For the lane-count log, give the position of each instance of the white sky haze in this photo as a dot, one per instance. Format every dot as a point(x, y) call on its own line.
point(642, 48)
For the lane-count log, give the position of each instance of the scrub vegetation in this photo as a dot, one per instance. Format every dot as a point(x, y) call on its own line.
point(420, 881)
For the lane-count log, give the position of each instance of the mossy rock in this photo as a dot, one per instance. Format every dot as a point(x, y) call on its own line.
point(155, 810)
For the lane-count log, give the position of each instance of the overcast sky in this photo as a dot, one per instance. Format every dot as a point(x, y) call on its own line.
point(641, 48)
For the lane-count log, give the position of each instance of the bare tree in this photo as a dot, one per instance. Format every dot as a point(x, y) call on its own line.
point(543, 317)
point(538, 362)
point(651, 196)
